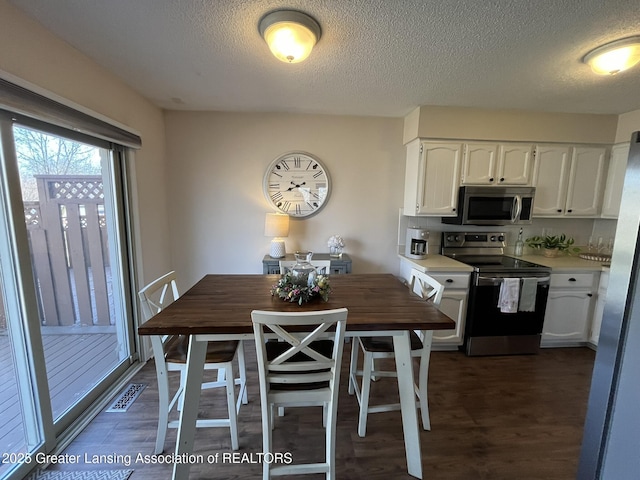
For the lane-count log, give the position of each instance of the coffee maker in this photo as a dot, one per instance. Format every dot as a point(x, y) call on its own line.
point(417, 243)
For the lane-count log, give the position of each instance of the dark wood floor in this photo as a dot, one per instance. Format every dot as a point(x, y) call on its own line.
point(515, 417)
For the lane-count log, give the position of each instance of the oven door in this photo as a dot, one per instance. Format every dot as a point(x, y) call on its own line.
point(488, 331)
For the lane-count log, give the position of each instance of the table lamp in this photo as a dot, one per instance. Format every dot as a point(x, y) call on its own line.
point(276, 225)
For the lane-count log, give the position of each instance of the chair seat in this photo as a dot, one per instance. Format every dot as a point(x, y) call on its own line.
point(217, 352)
point(275, 348)
point(385, 344)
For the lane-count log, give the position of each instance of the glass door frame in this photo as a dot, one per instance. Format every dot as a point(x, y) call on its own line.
point(43, 434)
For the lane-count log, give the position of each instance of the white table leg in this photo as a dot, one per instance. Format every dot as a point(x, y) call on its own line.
point(404, 367)
point(189, 413)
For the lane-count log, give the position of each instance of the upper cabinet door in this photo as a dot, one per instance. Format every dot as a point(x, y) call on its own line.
point(615, 180)
point(586, 181)
point(431, 180)
point(479, 165)
point(550, 170)
point(514, 164)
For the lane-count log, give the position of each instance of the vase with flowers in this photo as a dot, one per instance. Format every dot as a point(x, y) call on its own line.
point(336, 245)
point(552, 245)
point(291, 290)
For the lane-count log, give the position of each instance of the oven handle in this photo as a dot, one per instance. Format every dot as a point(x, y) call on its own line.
point(516, 208)
point(489, 281)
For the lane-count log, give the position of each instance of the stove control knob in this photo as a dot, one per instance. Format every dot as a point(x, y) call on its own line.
point(501, 238)
point(492, 238)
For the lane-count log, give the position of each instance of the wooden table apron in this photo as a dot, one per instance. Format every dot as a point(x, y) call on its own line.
point(219, 307)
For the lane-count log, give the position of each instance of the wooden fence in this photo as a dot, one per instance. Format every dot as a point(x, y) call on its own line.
point(69, 248)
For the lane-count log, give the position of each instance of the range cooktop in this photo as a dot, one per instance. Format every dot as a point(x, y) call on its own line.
point(484, 251)
point(498, 263)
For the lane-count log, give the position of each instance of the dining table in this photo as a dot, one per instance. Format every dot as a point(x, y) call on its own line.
point(219, 306)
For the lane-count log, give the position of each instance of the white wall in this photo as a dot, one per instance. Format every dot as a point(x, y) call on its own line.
point(509, 125)
point(627, 124)
point(30, 52)
point(217, 162)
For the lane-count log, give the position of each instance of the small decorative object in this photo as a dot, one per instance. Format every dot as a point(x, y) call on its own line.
point(291, 291)
point(335, 244)
point(519, 245)
point(552, 244)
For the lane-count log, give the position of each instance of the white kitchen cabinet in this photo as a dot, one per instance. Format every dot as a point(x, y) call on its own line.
point(496, 164)
point(479, 164)
point(569, 310)
point(615, 180)
point(431, 178)
point(453, 304)
point(594, 334)
point(568, 180)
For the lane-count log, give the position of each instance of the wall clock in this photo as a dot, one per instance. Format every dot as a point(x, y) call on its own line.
point(297, 184)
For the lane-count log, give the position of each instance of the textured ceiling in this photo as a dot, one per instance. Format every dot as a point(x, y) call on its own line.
point(375, 57)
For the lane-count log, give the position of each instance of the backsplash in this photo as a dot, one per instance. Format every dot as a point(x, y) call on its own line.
point(578, 228)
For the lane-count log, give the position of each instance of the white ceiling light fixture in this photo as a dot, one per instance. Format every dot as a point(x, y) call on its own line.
point(290, 34)
point(614, 57)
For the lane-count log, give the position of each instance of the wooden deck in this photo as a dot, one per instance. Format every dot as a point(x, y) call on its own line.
point(75, 362)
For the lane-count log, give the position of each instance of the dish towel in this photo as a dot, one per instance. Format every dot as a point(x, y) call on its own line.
point(528, 295)
point(509, 295)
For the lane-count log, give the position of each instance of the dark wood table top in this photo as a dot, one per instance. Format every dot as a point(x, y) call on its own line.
point(222, 304)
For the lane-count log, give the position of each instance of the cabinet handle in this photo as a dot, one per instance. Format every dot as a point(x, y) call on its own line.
point(589, 294)
point(570, 210)
point(559, 210)
point(572, 279)
point(491, 179)
point(502, 179)
point(453, 209)
point(449, 280)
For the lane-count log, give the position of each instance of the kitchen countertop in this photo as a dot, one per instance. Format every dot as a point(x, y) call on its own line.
point(438, 263)
point(565, 263)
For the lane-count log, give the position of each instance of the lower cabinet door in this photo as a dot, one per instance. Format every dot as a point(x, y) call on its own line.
point(567, 317)
point(454, 305)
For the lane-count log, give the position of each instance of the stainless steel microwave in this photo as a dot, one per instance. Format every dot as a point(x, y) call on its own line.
point(493, 206)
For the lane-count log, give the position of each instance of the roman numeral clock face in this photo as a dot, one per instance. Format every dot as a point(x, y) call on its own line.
point(297, 184)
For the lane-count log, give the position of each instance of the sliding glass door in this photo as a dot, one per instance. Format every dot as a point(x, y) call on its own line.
point(63, 209)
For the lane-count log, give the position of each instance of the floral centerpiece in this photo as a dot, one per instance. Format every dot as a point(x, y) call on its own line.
point(335, 244)
point(288, 291)
point(552, 244)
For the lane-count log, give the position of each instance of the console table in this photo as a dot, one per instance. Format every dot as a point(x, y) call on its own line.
point(338, 265)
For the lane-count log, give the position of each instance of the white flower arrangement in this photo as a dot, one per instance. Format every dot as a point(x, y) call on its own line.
point(335, 244)
point(335, 241)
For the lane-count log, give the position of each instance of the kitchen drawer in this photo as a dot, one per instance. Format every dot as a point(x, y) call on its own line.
point(572, 280)
point(455, 280)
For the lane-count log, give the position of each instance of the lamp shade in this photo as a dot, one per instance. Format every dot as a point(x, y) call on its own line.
point(276, 225)
point(614, 57)
point(290, 35)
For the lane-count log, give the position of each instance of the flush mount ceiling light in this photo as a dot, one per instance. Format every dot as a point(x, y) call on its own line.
point(614, 57)
point(290, 34)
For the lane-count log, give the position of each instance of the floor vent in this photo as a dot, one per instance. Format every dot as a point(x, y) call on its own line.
point(126, 398)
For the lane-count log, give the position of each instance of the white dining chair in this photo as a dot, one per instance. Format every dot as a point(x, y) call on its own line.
point(301, 369)
point(375, 348)
point(170, 352)
point(323, 267)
